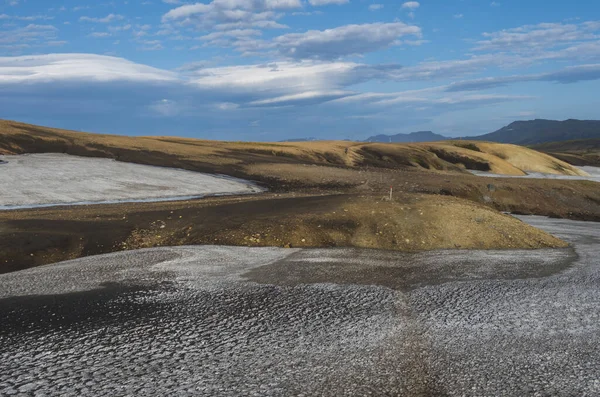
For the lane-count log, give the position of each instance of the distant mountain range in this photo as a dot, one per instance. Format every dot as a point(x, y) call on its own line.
point(531, 132)
point(541, 131)
point(300, 140)
point(420, 136)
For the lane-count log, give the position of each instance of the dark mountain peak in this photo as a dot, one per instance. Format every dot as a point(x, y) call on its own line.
point(531, 132)
point(418, 136)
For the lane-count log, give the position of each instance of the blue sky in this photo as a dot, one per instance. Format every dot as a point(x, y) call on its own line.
point(277, 69)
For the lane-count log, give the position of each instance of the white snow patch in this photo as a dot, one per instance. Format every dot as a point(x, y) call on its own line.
point(42, 180)
point(594, 175)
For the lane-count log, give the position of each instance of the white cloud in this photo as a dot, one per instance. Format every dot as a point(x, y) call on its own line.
point(568, 75)
point(343, 41)
point(540, 48)
point(307, 97)
point(235, 37)
point(230, 9)
point(432, 70)
point(326, 44)
point(150, 45)
point(462, 100)
point(327, 2)
point(588, 52)
point(77, 67)
point(285, 82)
point(411, 5)
point(458, 16)
point(428, 99)
point(280, 78)
point(538, 37)
point(187, 11)
point(120, 28)
point(375, 7)
point(17, 39)
point(107, 19)
point(25, 18)
point(231, 14)
point(99, 34)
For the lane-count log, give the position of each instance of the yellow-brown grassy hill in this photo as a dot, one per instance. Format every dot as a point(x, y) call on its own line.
point(236, 157)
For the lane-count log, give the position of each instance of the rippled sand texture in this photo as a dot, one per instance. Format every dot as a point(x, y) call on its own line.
point(268, 321)
point(49, 179)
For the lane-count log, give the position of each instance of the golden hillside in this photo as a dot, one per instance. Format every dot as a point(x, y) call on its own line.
point(236, 157)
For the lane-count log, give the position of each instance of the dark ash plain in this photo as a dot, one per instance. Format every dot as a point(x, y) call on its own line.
point(228, 321)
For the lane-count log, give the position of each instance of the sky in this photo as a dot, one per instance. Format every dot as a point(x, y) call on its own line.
point(268, 70)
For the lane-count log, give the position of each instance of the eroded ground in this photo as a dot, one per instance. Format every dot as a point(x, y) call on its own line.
point(267, 321)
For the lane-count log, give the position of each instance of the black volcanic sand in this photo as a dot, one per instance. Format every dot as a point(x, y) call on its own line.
point(227, 321)
point(35, 237)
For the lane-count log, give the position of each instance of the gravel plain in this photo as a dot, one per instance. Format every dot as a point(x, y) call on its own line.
point(41, 180)
point(266, 321)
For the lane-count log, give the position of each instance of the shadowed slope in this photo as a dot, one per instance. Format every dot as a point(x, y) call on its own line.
point(584, 152)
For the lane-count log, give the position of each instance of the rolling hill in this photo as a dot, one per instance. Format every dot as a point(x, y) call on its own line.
point(581, 152)
point(243, 158)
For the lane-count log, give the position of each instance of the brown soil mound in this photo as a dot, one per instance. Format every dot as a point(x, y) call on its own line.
point(412, 223)
point(409, 223)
